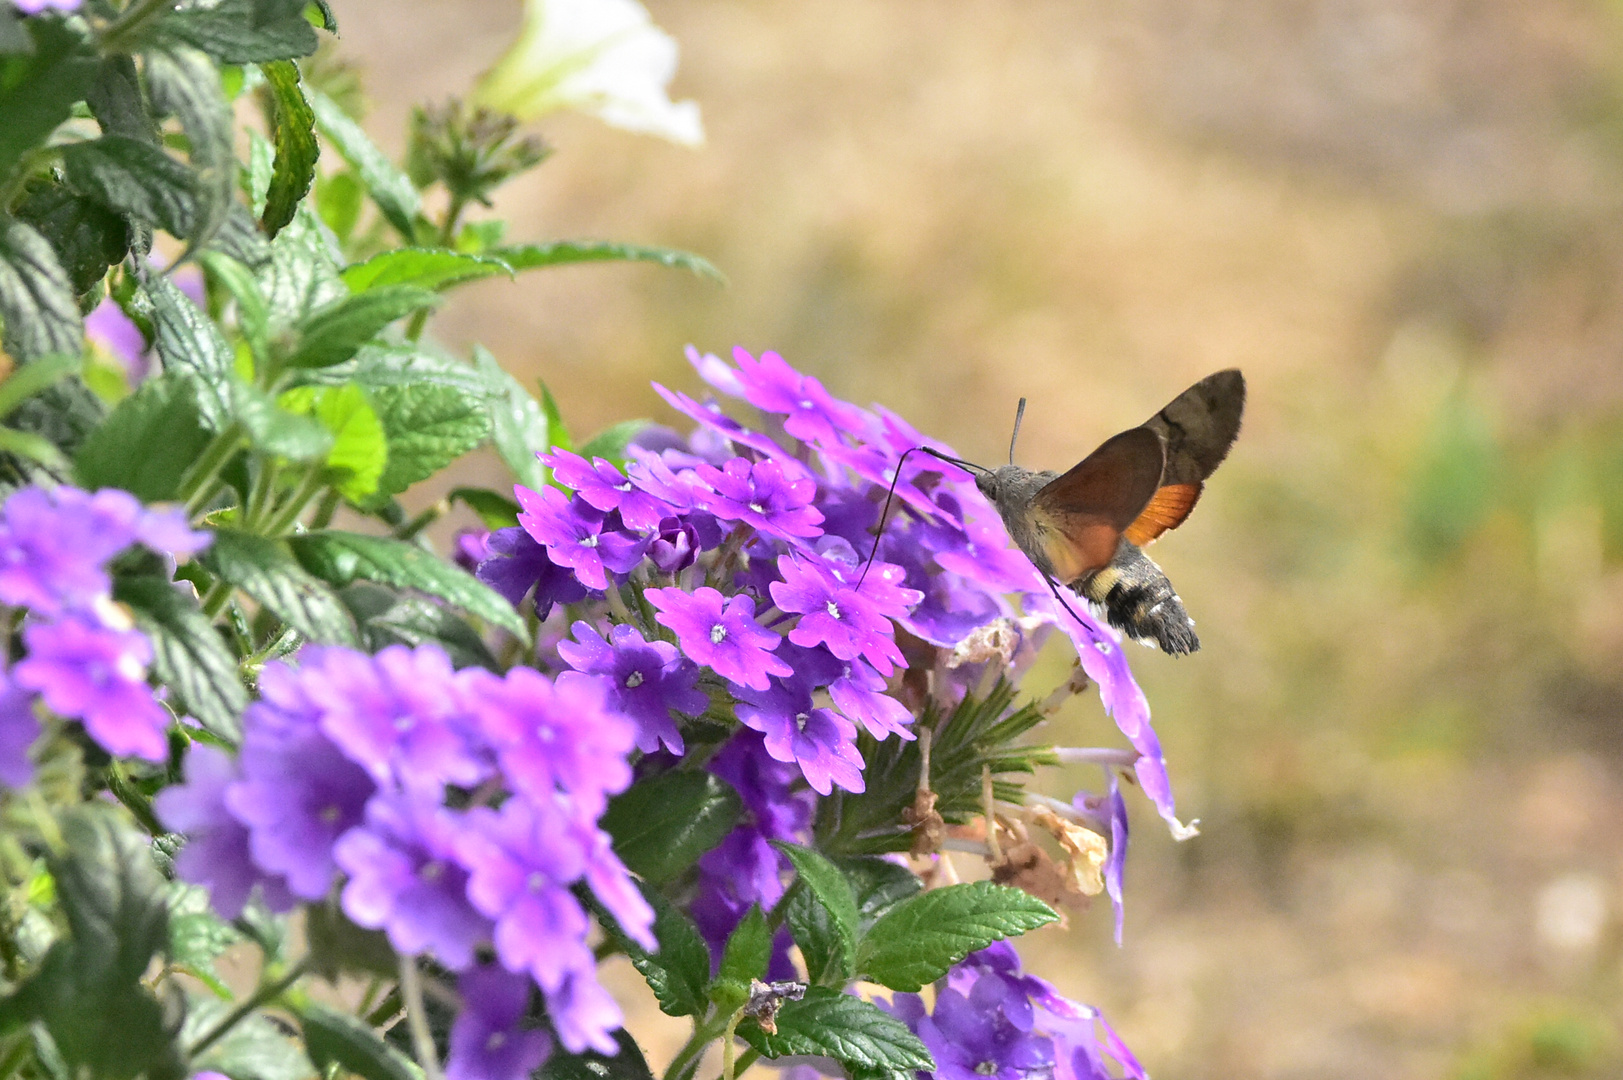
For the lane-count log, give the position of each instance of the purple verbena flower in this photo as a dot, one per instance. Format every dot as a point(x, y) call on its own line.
point(859, 693)
point(763, 496)
point(34, 7)
point(820, 741)
point(987, 1033)
point(850, 621)
point(518, 564)
point(811, 413)
point(95, 673)
point(648, 681)
point(675, 546)
point(720, 634)
point(216, 853)
point(578, 535)
point(470, 548)
point(602, 485)
point(488, 1039)
point(732, 431)
point(115, 332)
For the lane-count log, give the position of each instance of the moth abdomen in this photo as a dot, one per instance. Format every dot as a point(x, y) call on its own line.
point(1137, 599)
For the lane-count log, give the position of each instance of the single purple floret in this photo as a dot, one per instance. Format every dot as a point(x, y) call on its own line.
point(489, 1040)
point(97, 674)
point(820, 741)
point(721, 634)
point(601, 484)
point(648, 681)
point(851, 622)
point(518, 564)
point(675, 546)
point(763, 496)
point(811, 413)
point(578, 535)
point(860, 694)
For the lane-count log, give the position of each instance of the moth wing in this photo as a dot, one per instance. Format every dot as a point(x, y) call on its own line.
point(1082, 514)
point(1198, 427)
point(1165, 511)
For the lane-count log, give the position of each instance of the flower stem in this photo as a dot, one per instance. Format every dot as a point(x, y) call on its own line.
point(687, 1057)
point(197, 486)
point(128, 24)
point(263, 996)
point(727, 1048)
point(312, 485)
point(422, 1040)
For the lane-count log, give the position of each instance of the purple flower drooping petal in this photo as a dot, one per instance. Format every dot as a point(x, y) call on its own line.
point(97, 674)
point(811, 413)
point(1116, 864)
point(714, 419)
point(721, 634)
point(648, 681)
point(489, 1040)
point(860, 694)
point(763, 496)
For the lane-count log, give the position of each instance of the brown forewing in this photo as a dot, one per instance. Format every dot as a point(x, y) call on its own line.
point(1082, 514)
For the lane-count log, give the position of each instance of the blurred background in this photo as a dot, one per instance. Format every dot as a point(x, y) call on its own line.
point(1402, 219)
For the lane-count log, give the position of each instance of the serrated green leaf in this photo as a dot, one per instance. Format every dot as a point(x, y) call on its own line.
point(856, 1033)
point(662, 825)
point(134, 177)
point(390, 188)
point(342, 557)
point(148, 441)
point(879, 884)
point(812, 928)
point(336, 333)
point(919, 939)
point(256, 1048)
point(253, 313)
point(495, 511)
point(188, 655)
point(294, 130)
point(388, 618)
point(183, 83)
point(833, 892)
point(116, 100)
point(749, 948)
point(276, 431)
point(359, 449)
point(38, 89)
point(338, 946)
point(335, 1038)
point(628, 1064)
point(519, 424)
point(197, 936)
point(189, 343)
point(679, 971)
point(565, 252)
point(87, 237)
point(303, 275)
point(244, 31)
point(428, 426)
point(22, 383)
point(610, 443)
point(37, 304)
point(267, 571)
point(240, 238)
point(426, 268)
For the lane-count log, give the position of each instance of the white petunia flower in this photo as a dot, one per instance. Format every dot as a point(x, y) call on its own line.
point(604, 57)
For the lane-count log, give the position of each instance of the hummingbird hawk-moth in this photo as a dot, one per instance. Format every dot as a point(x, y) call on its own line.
point(1087, 528)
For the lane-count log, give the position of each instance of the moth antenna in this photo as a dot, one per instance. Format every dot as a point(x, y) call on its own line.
point(890, 494)
point(1019, 415)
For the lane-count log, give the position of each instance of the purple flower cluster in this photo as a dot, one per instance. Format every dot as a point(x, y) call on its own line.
point(991, 1020)
point(84, 659)
point(459, 809)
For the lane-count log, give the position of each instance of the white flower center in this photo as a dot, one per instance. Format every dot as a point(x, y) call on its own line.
point(432, 871)
point(801, 719)
point(633, 680)
point(497, 1040)
point(536, 881)
point(623, 487)
point(758, 508)
point(717, 633)
point(833, 610)
point(590, 541)
point(806, 404)
point(330, 814)
point(1103, 647)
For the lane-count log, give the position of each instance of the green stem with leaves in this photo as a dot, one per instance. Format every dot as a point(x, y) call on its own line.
point(266, 994)
point(703, 1035)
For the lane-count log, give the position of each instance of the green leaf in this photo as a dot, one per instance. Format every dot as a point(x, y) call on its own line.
point(183, 83)
point(24, 382)
point(188, 655)
point(495, 511)
point(197, 936)
point(134, 177)
point(920, 938)
point(14, 40)
point(390, 188)
point(388, 618)
point(37, 302)
point(244, 31)
point(879, 884)
point(749, 948)
point(267, 571)
point(610, 443)
point(662, 825)
point(253, 313)
point(359, 450)
point(335, 1038)
point(256, 1047)
point(36, 448)
point(294, 129)
point(38, 89)
point(564, 252)
point(87, 237)
point(240, 238)
point(117, 102)
point(428, 426)
point(274, 430)
point(680, 970)
point(189, 343)
point(628, 1064)
point(303, 275)
point(338, 946)
point(148, 441)
point(426, 268)
point(342, 557)
point(519, 426)
point(336, 333)
point(856, 1033)
point(340, 200)
point(823, 880)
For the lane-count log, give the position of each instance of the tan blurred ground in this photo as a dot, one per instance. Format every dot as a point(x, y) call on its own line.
point(1401, 218)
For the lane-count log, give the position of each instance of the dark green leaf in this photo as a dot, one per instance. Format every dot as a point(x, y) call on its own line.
point(256, 1048)
point(244, 31)
point(116, 101)
point(253, 314)
point(187, 654)
point(610, 443)
point(303, 274)
point(628, 1064)
point(148, 441)
point(390, 188)
point(563, 252)
point(663, 824)
point(189, 343)
point(336, 333)
point(833, 893)
point(183, 83)
point(426, 268)
point(920, 938)
point(38, 89)
point(268, 572)
point(519, 426)
point(748, 950)
point(335, 1038)
point(329, 21)
point(341, 557)
point(197, 936)
point(879, 884)
point(338, 946)
point(495, 511)
point(33, 378)
point(391, 619)
point(679, 971)
point(240, 238)
point(87, 237)
point(856, 1033)
point(294, 128)
point(428, 426)
point(37, 301)
point(35, 448)
point(134, 177)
